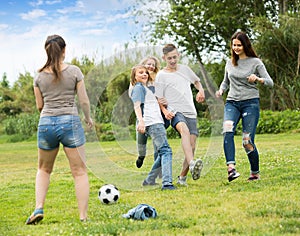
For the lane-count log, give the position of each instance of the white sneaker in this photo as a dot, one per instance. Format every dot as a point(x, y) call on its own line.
point(196, 168)
point(182, 180)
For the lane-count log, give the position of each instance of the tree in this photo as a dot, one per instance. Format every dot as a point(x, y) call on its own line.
point(85, 64)
point(5, 91)
point(4, 81)
point(24, 95)
point(279, 46)
point(288, 6)
point(8, 105)
point(203, 28)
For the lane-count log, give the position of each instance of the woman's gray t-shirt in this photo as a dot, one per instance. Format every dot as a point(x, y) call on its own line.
point(59, 96)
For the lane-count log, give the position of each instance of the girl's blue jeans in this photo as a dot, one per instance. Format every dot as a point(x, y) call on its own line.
point(248, 112)
point(163, 161)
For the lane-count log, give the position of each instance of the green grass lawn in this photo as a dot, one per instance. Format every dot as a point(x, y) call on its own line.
point(209, 206)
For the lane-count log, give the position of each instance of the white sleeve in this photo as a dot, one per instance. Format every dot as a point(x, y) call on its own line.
point(159, 86)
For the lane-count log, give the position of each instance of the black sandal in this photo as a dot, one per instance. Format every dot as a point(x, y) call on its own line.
point(253, 178)
point(233, 174)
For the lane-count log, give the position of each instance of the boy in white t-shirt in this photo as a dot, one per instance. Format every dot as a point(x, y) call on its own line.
point(150, 122)
point(173, 83)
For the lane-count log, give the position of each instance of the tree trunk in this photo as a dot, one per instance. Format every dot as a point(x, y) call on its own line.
point(298, 64)
point(282, 6)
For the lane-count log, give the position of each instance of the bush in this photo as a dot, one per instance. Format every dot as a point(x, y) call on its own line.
point(23, 125)
point(109, 132)
point(274, 122)
point(15, 138)
point(207, 127)
point(279, 122)
point(172, 133)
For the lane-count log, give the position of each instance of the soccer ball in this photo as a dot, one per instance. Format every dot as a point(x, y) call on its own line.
point(108, 194)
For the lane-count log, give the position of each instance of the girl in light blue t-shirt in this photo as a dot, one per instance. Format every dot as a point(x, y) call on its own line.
point(150, 122)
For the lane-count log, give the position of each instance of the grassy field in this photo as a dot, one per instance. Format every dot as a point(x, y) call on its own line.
point(209, 206)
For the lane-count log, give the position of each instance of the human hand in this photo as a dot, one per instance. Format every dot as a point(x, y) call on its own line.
point(89, 122)
point(219, 93)
point(200, 97)
point(169, 115)
point(253, 78)
point(141, 127)
point(169, 112)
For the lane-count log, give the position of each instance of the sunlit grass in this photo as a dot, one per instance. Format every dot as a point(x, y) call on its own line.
point(209, 206)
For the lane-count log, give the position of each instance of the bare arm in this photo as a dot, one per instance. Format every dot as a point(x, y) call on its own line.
point(84, 102)
point(168, 114)
point(223, 86)
point(38, 99)
point(200, 97)
point(138, 112)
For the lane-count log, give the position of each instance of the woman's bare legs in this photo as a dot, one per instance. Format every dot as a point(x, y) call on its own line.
point(46, 159)
point(77, 161)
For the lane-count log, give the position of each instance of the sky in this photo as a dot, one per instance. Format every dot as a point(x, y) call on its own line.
point(94, 28)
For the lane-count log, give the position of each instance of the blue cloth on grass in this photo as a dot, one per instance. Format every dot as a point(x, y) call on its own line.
point(141, 212)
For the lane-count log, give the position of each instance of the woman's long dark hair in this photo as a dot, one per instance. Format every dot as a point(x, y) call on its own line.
point(55, 47)
point(248, 49)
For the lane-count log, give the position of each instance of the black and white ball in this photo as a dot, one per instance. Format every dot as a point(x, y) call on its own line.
point(108, 194)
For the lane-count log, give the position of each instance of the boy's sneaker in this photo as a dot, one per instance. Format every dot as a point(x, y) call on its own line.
point(168, 187)
point(253, 178)
point(196, 168)
point(145, 183)
point(35, 217)
point(233, 174)
point(182, 180)
point(139, 162)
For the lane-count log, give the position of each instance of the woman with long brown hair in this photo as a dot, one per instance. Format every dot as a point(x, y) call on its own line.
point(55, 87)
point(243, 73)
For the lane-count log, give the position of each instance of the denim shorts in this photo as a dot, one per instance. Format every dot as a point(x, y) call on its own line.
point(65, 129)
point(190, 122)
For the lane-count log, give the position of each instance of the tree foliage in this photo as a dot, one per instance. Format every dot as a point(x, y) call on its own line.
point(201, 26)
point(4, 81)
point(279, 47)
point(203, 29)
point(17, 99)
point(23, 88)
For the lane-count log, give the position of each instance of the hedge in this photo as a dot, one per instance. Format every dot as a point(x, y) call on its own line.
point(24, 126)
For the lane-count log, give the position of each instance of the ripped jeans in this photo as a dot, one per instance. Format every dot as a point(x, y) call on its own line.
point(248, 111)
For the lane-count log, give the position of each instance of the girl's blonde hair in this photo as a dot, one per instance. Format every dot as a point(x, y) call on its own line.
point(157, 64)
point(133, 72)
